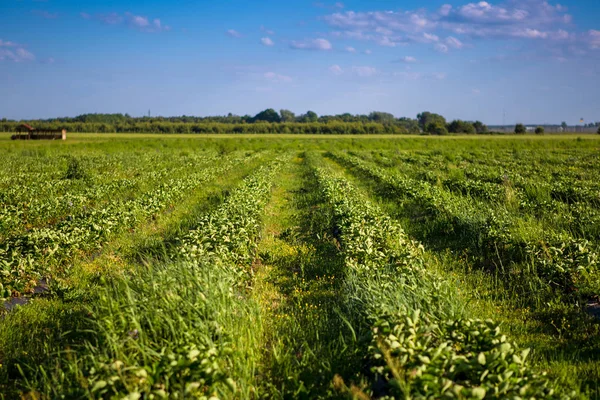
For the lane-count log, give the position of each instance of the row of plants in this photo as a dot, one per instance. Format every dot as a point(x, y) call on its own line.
point(564, 178)
point(524, 196)
point(39, 202)
point(183, 328)
point(421, 344)
point(38, 252)
point(561, 262)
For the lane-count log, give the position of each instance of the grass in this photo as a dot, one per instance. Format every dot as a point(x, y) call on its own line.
point(288, 283)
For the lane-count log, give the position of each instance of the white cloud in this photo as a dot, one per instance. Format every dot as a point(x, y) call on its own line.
point(110, 19)
point(350, 49)
point(315, 44)
point(266, 41)
point(17, 55)
point(454, 42)
point(415, 76)
point(367, 52)
point(267, 31)
point(7, 44)
point(138, 22)
point(364, 72)
point(408, 59)
point(501, 19)
point(45, 14)
point(445, 10)
point(233, 33)
point(594, 38)
point(430, 37)
point(442, 48)
point(277, 78)
point(336, 70)
point(475, 91)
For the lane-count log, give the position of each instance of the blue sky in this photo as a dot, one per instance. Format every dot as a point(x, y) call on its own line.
point(531, 61)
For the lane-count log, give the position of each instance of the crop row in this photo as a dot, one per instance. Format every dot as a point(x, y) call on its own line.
point(36, 201)
point(420, 347)
point(27, 257)
point(558, 208)
point(187, 329)
point(562, 262)
point(565, 184)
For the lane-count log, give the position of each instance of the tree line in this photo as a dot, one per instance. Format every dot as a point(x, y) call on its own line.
point(267, 121)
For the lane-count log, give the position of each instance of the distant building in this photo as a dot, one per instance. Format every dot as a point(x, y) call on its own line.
point(27, 132)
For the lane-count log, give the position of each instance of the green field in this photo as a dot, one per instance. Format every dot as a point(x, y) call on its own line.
point(296, 266)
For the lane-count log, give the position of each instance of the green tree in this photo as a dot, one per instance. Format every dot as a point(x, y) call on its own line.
point(564, 126)
point(598, 132)
point(310, 116)
point(520, 129)
point(539, 130)
point(436, 128)
point(381, 117)
point(426, 118)
point(268, 115)
point(287, 116)
point(458, 126)
point(480, 127)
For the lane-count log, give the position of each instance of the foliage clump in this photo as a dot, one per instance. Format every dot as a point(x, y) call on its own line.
point(75, 170)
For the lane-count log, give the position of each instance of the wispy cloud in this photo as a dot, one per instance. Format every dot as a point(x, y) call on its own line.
point(266, 41)
point(277, 78)
point(336, 69)
point(337, 5)
point(513, 19)
point(350, 49)
point(364, 72)
point(407, 60)
point(45, 14)
point(15, 54)
point(4, 43)
point(139, 22)
point(314, 44)
point(233, 33)
point(267, 31)
point(415, 76)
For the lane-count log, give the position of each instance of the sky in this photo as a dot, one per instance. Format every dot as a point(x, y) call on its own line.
point(505, 61)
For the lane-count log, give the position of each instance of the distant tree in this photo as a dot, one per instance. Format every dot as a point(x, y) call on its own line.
point(598, 132)
point(268, 115)
point(458, 126)
point(426, 118)
point(381, 117)
point(287, 116)
point(310, 116)
point(436, 128)
point(411, 125)
point(539, 130)
point(520, 129)
point(564, 126)
point(480, 127)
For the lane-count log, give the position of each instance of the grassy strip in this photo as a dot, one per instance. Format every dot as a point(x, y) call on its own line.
point(561, 337)
point(422, 345)
point(298, 284)
point(46, 252)
point(553, 263)
point(179, 329)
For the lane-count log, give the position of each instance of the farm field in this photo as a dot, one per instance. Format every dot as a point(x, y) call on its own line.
point(291, 266)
